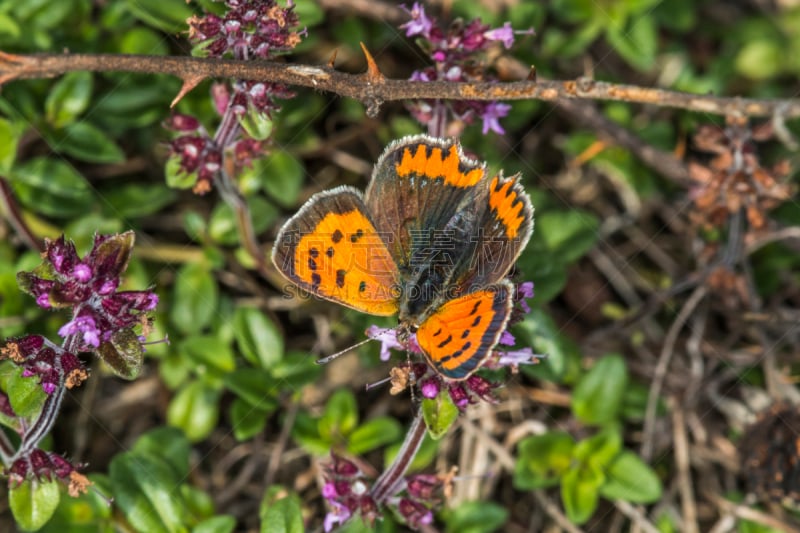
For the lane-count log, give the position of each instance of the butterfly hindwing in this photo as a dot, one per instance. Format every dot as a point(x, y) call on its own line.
point(459, 335)
point(331, 249)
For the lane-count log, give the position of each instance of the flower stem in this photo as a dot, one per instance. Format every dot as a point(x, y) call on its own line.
point(387, 484)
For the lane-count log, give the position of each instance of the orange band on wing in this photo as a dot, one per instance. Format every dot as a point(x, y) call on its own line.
point(505, 200)
point(438, 166)
point(344, 259)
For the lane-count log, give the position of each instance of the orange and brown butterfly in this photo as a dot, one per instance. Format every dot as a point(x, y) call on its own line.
point(432, 240)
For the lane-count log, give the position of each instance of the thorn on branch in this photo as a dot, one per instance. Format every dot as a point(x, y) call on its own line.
point(373, 72)
point(532, 74)
point(15, 63)
point(188, 84)
point(332, 60)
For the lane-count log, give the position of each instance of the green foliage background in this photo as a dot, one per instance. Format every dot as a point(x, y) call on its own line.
point(226, 427)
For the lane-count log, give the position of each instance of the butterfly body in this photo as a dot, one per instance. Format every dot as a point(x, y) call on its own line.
point(431, 240)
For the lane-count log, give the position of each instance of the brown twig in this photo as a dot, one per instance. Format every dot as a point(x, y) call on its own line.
point(362, 88)
point(688, 504)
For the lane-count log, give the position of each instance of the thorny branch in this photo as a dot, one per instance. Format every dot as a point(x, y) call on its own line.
point(374, 90)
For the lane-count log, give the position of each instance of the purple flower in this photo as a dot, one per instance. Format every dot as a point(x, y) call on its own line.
point(339, 514)
point(524, 292)
point(504, 35)
point(491, 115)
point(430, 388)
point(419, 24)
point(84, 325)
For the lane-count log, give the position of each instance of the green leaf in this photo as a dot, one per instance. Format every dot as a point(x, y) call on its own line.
point(636, 41)
point(195, 410)
point(143, 41)
point(25, 393)
point(196, 296)
point(51, 187)
point(309, 12)
point(306, 433)
point(68, 98)
point(9, 138)
point(760, 59)
point(542, 460)
point(175, 176)
point(216, 524)
point(340, 416)
point(257, 337)
point(295, 370)
point(539, 331)
point(258, 125)
point(88, 513)
point(280, 512)
point(33, 503)
point(169, 16)
point(283, 176)
point(631, 479)
point(210, 351)
point(597, 397)
point(254, 386)
point(136, 200)
point(86, 142)
point(570, 234)
point(579, 493)
point(374, 434)
point(170, 444)
point(476, 517)
point(144, 490)
point(600, 449)
point(247, 420)
point(439, 413)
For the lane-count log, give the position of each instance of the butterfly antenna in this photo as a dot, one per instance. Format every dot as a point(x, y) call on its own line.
point(328, 358)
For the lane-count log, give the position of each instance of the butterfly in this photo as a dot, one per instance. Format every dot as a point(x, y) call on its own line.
point(432, 240)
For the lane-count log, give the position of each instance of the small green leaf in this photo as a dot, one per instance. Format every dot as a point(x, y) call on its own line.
point(570, 234)
point(309, 12)
point(280, 512)
point(631, 479)
point(68, 98)
point(25, 393)
point(636, 42)
point(136, 200)
point(257, 337)
point(211, 351)
point(175, 176)
point(33, 503)
point(51, 187)
point(306, 433)
point(216, 524)
point(340, 416)
point(258, 125)
point(144, 490)
point(9, 138)
point(283, 176)
point(169, 17)
point(169, 444)
point(86, 142)
point(760, 59)
point(247, 420)
point(439, 413)
point(597, 397)
point(600, 449)
point(296, 369)
point(254, 386)
point(196, 296)
point(476, 517)
point(195, 410)
point(373, 434)
point(542, 460)
point(579, 492)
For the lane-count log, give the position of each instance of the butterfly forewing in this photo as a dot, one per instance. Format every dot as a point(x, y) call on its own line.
point(459, 335)
point(331, 249)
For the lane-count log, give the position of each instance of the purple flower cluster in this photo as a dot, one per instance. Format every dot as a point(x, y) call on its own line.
point(46, 466)
point(251, 29)
point(89, 287)
point(104, 321)
point(347, 492)
point(51, 363)
point(455, 55)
